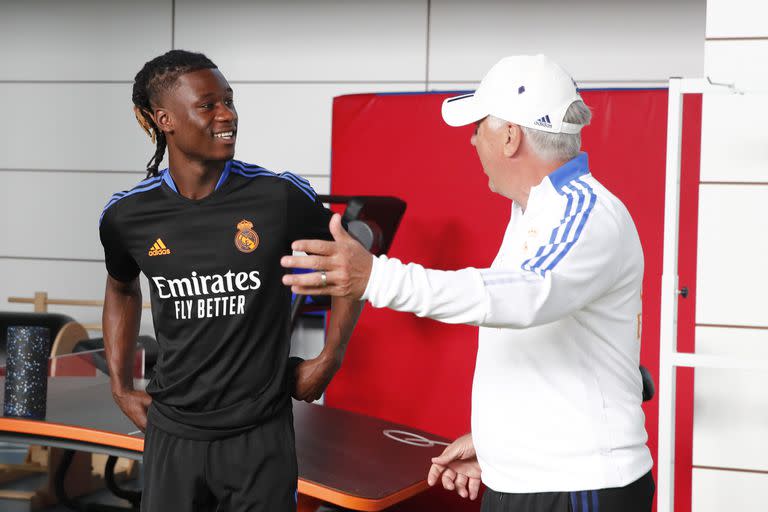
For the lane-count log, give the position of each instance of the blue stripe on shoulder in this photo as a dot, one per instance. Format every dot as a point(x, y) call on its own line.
point(252, 171)
point(564, 236)
point(574, 168)
point(248, 170)
point(301, 183)
point(143, 186)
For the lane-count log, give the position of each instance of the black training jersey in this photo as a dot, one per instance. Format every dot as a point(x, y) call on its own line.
point(220, 310)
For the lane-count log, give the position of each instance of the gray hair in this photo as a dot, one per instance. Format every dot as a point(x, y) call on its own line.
point(556, 146)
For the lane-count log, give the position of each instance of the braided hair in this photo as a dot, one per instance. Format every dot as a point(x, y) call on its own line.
point(156, 77)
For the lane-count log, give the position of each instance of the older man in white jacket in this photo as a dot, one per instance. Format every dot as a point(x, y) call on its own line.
point(557, 422)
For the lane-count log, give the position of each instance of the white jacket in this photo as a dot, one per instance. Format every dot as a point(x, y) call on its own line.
point(556, 398)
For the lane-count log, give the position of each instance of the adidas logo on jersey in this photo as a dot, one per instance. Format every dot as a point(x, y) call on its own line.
point(159, 249)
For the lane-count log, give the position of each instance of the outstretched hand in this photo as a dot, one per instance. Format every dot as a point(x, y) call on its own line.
point(457, 468)
point(346, 264)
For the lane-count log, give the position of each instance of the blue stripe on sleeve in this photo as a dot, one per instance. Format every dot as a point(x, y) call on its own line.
point(144, 186)
point(252, 171)
point(301, 183)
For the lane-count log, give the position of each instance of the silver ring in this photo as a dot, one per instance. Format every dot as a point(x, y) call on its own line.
point(323, 279)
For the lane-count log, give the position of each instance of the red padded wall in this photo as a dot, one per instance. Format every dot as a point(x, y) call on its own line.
point(419, 372)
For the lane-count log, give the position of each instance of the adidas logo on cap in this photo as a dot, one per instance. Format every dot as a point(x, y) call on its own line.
point(544, 121)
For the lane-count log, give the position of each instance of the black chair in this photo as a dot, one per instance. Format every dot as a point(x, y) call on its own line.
point(649, 388)
point(147, 343)
point(373, 221)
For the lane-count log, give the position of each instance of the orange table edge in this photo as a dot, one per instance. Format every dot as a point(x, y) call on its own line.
point(126, 442)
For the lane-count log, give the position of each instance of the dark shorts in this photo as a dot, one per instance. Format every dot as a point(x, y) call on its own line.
point(253, 471)
point(635, 497)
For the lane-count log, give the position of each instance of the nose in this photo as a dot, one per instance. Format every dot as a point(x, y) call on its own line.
point(473, 139)
point(226, 113)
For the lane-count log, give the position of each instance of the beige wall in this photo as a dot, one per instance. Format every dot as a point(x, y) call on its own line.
point(70, 139)
point(730, 423)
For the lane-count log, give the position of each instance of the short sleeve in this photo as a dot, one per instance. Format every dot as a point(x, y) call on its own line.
point(308, 217)
point(120, 264)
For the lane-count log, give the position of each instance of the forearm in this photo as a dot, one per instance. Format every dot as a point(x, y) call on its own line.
point(484, 297)
point(344, 315)
point(456, 297)
point(120, 323)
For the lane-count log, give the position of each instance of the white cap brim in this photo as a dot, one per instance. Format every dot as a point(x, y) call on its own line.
point(462, 110)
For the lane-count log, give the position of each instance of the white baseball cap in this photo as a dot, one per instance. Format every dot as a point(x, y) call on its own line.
point(528, 90)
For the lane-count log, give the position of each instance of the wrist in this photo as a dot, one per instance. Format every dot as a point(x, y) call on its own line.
point(122, 391)
point(332, 356)
point(373, 263)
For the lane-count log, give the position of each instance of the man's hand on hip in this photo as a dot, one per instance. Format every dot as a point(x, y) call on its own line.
point(134, 404)
point(313, 376)
point(342, 267)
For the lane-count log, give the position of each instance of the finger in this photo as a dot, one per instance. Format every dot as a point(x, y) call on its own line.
point(449, 476)
point(314, 247)
point(444, 459)
point(334, 291)
point(312, 261)
point(308, 280)
point(461, 485)
point(337, 230)
point(435, 471)
point(474, 488)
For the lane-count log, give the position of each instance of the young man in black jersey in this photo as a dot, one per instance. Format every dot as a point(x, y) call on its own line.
point(209, 232)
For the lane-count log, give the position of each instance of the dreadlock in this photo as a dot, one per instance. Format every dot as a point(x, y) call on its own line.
point(158, 76)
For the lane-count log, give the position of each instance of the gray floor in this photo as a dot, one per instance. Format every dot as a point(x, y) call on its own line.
point(15, 454)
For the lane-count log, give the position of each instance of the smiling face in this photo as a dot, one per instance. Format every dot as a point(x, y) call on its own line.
point(198, 116)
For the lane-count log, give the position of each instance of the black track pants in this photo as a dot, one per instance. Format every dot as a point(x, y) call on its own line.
point(254, 471)
point(635, 497)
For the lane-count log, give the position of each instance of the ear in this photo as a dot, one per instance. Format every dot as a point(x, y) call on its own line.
point(513, 136)
point(163, 120)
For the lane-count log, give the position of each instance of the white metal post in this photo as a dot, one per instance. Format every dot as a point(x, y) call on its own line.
point(668, 331)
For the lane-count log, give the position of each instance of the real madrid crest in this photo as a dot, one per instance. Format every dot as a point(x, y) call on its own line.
point(246, 239)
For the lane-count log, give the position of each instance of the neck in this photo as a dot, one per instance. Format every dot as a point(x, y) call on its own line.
point(194, 179)
point(531, 175)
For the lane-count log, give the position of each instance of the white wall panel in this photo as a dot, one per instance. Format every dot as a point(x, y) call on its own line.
point(716, 491)
point(288, 126)
point(71, 126)
point(730, 421)
point(62, 280)
point(731, 275)
point(732, 149)
point(92, 126)
point(593, 40)
point(56, 214)
point(738, 62)
point(339, 40)
point(321, 184)
point(81, 39)
point(737, 18)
